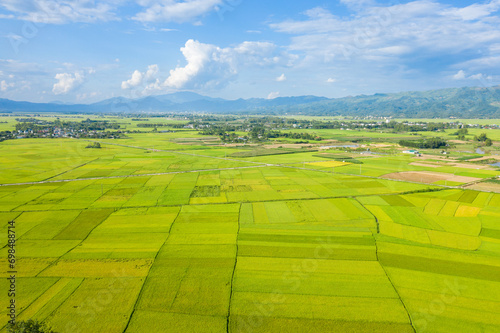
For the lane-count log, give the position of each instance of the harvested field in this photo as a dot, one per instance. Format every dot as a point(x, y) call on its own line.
point(497, 157)
point(428, 177)
point(428, 165)
point(472, 166)
point(488, 187)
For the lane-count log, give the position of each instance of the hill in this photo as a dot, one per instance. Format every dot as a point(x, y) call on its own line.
point(467, 102)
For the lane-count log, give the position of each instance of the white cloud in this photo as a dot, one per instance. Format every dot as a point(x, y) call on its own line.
point(134, 81)
point(138, 78)
point(21, 68)
point(67, 82)
point(281, 78)
point(459, 76)
point(209, 66)
point(206, 65)
point(176, 11)
point(476, 76)
point(59, 12)
point(4, 86)
point(273, 95)
point(476, 11)
point(151, 72)
point(462, 76)
point(486, 62)
point(388, 33)
point(331, 80)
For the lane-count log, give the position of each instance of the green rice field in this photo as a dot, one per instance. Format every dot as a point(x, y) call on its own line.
point(149, 234)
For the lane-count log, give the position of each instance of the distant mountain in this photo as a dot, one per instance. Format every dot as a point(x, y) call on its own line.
point(456, 102)
point(443, 103)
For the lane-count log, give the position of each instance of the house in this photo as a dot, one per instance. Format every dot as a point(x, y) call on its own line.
point(414, 152)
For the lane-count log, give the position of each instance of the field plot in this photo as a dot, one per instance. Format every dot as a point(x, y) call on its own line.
point(329, 164)
point(190, 280)
point(293, 270)
point(456, 291)
point(443, 241)
point(187, 240)
point(430, 177)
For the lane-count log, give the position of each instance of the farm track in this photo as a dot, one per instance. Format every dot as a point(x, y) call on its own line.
point(127, 176)
point(393, 285)
point(52, 264)
point(268, 200)
point(385, 272)
point(228, 321)
point(78, 166)
point(147, 276)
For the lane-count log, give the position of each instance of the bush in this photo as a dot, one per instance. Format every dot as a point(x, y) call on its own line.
point(94, 145)
point(29, 326)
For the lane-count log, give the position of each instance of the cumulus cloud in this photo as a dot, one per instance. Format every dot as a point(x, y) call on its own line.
point(134, 81)
point(273, 95)
point(331, 80)
point(211, 66)
point(138, 78)
point(281, 78)
point(208, 63)
point(459, 76)
point(208, 66)
point(67, 82)
point(4, 85)
point(478, 76)
point(176, 11)
point(58, 12)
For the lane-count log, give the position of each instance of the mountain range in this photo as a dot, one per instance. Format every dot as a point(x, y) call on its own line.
point(466, 102)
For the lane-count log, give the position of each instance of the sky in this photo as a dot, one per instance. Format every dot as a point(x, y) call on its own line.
point(84, 51)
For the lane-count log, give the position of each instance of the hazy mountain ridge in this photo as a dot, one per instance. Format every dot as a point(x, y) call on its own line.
point(454, 102)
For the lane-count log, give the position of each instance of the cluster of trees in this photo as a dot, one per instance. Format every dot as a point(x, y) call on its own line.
point(29, 326)
point(34, 128)
point(461, 133)
point(484, 139)
point(279, 123)
point(88, 125)
point(293, 135)
point(94, 145)
point(6, 135)
point(151, 125)
point(431, 143)
point(256, 133)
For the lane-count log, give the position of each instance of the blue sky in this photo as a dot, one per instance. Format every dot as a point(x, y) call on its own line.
point(83, 51)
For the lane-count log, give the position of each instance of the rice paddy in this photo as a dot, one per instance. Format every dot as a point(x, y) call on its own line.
point(126, 239)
